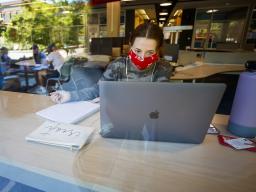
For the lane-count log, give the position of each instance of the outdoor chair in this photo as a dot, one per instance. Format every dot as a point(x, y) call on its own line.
point(64, 77)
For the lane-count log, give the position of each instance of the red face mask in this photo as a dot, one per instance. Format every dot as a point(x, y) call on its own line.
point(143, 63)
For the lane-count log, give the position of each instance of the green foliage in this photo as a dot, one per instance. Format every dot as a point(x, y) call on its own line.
point(2, 28)
point(43, 23)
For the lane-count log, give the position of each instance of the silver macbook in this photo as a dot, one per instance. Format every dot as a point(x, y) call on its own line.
point(170, 112)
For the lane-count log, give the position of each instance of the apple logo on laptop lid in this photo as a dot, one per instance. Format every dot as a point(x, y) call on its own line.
point(154, 115)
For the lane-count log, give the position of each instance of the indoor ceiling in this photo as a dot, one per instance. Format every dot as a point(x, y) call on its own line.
point(153, 8)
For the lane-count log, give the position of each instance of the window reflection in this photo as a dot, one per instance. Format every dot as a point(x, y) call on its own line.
point(251, 35)
point(219, 28)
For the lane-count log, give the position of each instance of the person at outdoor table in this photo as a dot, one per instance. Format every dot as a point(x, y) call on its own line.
point(39, 57)
point(8, 81)
point(141, 64)
point(5, 60)
point(55, 60)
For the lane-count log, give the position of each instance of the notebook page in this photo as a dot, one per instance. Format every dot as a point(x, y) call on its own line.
point(71, 112)
point(60, 134)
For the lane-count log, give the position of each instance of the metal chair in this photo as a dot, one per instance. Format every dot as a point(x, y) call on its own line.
point(9, 81)
point(64, 77)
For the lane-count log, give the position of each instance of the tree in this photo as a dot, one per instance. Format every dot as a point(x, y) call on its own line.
point(43, 23)
point(2, 27)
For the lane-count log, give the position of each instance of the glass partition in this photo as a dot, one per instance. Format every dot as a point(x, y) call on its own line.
point(251, 35)
point(219, 28)
point(97, 25)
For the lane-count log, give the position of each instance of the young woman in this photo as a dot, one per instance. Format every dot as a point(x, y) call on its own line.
point(141, 64)
point(55, 60)
point(39, 57)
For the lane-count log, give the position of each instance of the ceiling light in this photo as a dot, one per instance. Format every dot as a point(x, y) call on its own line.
point(163, 13)
point(165, 4)
point(212, 11)
point(145, 17)
point(178, 12)
point(161, 24)
point(162, 19)
point(142, 13)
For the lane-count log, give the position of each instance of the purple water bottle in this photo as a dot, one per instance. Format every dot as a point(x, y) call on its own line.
point(242, 120)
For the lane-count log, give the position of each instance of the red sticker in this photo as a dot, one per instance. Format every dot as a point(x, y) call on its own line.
point(222, 138)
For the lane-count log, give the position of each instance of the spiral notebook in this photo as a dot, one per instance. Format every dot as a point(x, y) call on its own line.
point(71, 112)
point(62, 135)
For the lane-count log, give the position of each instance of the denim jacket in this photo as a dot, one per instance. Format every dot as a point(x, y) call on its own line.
point(122, 69)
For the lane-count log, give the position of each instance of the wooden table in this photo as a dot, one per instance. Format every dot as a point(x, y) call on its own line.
point(116, 165)
point(206, 70)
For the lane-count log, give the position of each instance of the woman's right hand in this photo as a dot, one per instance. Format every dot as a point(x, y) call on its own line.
point(60, 96)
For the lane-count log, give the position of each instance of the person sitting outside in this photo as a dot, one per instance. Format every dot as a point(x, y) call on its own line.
point(5, 59)
point(39, 57)
point(9, 81)
point(141, 64)
point(55, 60)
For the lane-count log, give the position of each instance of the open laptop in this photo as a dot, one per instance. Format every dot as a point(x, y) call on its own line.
point(158, 111)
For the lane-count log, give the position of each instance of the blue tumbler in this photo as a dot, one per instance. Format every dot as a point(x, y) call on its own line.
point(242, 120)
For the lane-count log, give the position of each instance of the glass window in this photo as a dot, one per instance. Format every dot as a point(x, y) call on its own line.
point(219, 28)
point(93, 18)
point(251, 35)
point(122, 18)
point(103, 31)
point(103, 19)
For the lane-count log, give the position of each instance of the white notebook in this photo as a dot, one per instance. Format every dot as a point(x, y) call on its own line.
point(71, 112)
point(61, 135)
